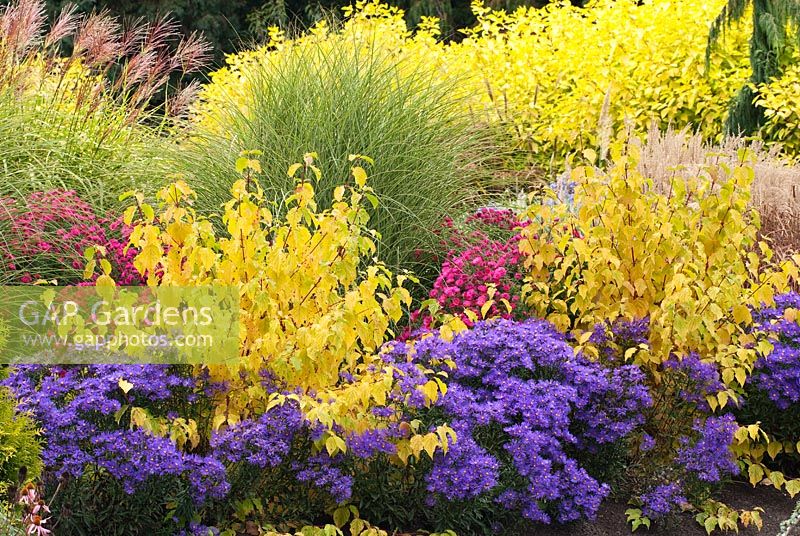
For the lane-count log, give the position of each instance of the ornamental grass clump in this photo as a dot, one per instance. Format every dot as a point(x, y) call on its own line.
point(530, 415)
point(78, 100)
point(337, 93)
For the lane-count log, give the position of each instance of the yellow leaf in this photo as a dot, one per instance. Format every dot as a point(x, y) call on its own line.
point(752, 430)
point(360, 176)
point(293, 169)
point(741, 376)
point(125, 385)
point(431, 442)
point(741, 314)
point(88, 271)
point(778, 479)
point(773, 448)
point(793, 487)
point(219, 420)
point(431, 390)
point(756, 473)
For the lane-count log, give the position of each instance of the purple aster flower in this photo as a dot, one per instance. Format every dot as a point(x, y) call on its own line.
point(709, 456)
point(662, 500)
point(524, 381)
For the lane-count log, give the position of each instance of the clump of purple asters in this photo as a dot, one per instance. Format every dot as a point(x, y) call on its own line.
point(614, 338)
point(263, 442)
point(521, 385)
point(777, 374)
point(694, 379)
point(375, 441)
point(662, 500)
point(324, 473)
point(708, 455)
point(466, 471)
point(77, 407)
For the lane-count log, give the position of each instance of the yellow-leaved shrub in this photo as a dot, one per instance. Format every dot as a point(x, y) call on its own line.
point(549, 76)
point(781, 102)
point(687, 258)
point(559, 74)
point(314, 305)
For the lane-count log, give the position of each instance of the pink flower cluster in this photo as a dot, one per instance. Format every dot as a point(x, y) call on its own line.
point(47, 233)
point(481, 265)
point(503, 219)
point(34, 510)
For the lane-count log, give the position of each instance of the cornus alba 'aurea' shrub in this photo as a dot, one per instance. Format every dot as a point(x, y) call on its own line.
point(683, 262)
point(529, 413)
point(315, 307)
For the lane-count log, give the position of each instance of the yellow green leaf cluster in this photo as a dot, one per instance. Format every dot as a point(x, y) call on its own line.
point(716, 515)
point(688, 259)
point(756, 449)
point(780, 99)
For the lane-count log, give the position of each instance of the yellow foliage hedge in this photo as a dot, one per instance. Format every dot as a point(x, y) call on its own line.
point(781, 102)
point(551, 76)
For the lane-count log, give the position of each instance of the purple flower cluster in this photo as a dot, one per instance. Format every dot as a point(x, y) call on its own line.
point(613, 339)
point(466, 471)
point(694, 379)
point(323, 473)
point(76, 406)
point(79, 408)
point(524, 380)
point(662, 500)
point(778, 373)
point(369, 443)
point(708, 455)
point(264, 442)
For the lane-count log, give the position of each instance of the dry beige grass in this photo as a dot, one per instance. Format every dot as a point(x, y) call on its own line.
point(776, 188)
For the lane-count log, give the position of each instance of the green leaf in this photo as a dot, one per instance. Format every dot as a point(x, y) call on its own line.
point(341, 516)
